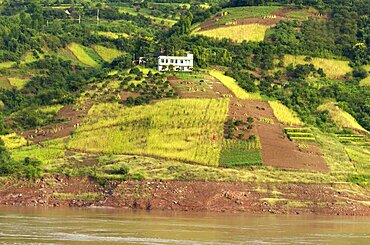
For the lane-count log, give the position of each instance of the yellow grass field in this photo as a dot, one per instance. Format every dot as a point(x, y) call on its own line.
point(334, 69)
point(238, 33)
point(284, 114)
point(4, 65)
point(107, 54)
point(341, 118)
point(81, 55)
point(19, 83)
point(180, 129)
point(12, 141)
point(112, 35)
point(231, 84)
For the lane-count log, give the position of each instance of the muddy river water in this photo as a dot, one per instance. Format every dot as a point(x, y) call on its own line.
point(114, 226)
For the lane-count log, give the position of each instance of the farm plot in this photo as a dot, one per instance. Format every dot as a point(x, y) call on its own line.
point(107, 54)
point(237, 33)
point(240, 153)
point(334, 69)
point(340, 117)
point(19, 83)
point(300, 134)
point(175, 129)
point(231, 84)
point(195, 85)
point(284, 114)
point(231, 14)
point(355, 139)
point(85, 55)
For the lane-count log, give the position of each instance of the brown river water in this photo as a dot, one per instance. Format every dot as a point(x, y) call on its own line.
point(114, 226)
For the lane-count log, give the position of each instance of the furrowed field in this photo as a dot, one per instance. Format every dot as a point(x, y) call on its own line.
point(284, 114)
point(247, 12)
point(231, 84)
point(238, 33)
point(333, 68)
point(175, 129)
point(83, 55)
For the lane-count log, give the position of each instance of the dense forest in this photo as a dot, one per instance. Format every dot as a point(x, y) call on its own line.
point(40, 28)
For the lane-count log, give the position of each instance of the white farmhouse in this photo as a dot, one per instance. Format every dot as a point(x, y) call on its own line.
point(177, 63)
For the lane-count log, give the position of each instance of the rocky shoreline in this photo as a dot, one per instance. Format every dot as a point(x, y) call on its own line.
point(275, 198)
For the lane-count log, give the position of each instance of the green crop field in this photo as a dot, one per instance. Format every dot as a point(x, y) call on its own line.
point(13, 140)
point(231, 84)
point(179, 129)
point(237, 33)
point(144, 12)
point(246, 12)
point(240, 153)
point(360, 157)
point(83, 55)
point(333, 68)
point(284, 114)
point(107, 54)
point(340, 117)
point(301, 14)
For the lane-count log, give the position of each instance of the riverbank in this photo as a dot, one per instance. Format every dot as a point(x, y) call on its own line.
point(276, 198)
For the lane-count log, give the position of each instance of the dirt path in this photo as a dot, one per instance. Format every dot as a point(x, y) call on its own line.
point(54, 191)
point(72, 118)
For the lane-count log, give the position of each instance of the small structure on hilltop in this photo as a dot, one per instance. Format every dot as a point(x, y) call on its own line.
point(176, 63)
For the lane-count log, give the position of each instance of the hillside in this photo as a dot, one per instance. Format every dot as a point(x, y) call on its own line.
point(271, 107)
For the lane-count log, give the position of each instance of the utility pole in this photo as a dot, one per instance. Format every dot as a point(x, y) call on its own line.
point(97, 16)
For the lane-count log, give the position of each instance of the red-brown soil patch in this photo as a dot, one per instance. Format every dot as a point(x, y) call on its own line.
point(277, 149)
point(72, 117)
point(182, 87)
point(188, 196)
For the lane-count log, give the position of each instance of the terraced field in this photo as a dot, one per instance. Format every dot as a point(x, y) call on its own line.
point(85, 55)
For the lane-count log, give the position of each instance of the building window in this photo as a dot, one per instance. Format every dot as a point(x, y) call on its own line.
point(162, 60)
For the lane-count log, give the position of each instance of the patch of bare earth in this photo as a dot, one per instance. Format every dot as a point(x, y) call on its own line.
point(277, 149)
point(188, 196)
point(72, 118)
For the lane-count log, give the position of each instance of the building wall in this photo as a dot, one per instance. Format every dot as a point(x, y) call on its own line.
point(180, 63)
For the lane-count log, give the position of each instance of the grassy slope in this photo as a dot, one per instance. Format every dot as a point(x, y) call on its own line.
point(82, 55)
point(238, 33)
point(175, 129)
point(341, 118)
point(107, 54)
point(112, 35)
point(284, 114)
point(19, 83)
point(247, 12)
point(231, 84)
point(332, 68)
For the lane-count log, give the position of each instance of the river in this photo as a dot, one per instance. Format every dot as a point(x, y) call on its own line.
point(114, 226)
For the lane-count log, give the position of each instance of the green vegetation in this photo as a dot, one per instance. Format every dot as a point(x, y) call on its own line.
point(240, 153)
point(12, 141)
